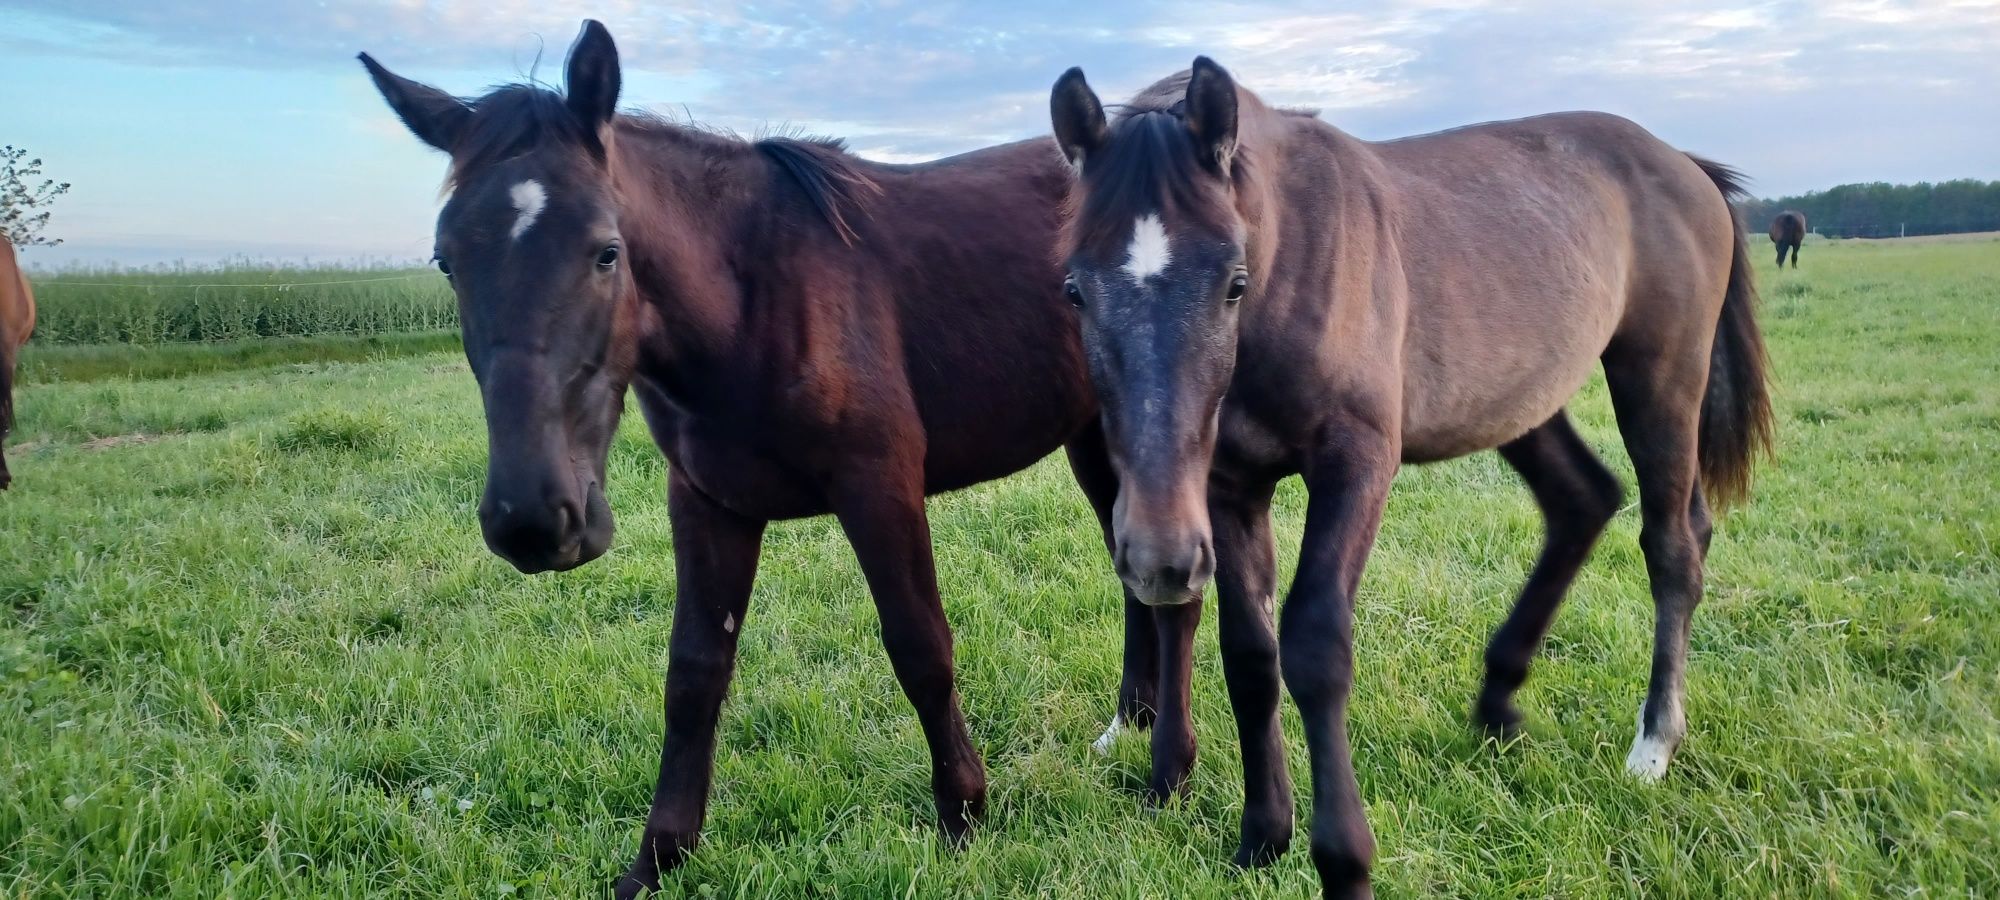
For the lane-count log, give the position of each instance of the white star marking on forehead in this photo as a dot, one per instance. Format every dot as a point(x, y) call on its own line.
point(529, 199)
point(1148, 254)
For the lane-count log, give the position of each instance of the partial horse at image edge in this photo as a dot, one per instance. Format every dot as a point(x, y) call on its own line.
point(17, 322)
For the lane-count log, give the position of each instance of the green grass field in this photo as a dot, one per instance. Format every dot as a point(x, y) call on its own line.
point(253, 646)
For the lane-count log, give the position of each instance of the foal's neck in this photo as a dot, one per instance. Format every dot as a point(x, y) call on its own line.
point(683, 207)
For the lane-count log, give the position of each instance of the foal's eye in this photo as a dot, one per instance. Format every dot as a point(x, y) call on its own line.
point(443, 266)
point(607, 257)
point(1074, 293)
point(1237, 286)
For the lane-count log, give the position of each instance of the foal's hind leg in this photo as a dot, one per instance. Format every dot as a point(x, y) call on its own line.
point(1578, 497)
point(1657, 395)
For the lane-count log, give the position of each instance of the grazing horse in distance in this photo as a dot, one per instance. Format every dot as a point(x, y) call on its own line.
point(807, 333)
point(1788, 231)
point(17, 321)
point(1263, 295)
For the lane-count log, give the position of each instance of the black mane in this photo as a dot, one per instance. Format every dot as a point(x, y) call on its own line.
point(517, 119)
point(825, 171)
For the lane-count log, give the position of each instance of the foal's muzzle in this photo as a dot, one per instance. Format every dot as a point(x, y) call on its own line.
point(1168, 569)
point(546, 533)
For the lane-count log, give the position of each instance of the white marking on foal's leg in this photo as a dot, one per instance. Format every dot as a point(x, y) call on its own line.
point(729, 623)
point(529, 200)
point(1650, 754)
point(1103, 742)
point(1149, 254)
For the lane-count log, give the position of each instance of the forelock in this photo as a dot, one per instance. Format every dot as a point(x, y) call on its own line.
point(1147, 167)
point(510, 122)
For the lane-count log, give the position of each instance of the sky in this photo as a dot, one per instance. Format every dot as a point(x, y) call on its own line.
point(199, 131)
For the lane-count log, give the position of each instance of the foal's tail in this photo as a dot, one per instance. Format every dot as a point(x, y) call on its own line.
point(1736, 412)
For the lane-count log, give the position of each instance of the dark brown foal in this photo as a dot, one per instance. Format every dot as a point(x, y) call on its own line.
point(806, 333)
point(1265, 296)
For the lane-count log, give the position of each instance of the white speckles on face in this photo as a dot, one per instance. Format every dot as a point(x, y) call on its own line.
point(729, 623)
point(1148, 254)
point(1650, 753)
point(1103, 743)
point(529, 199)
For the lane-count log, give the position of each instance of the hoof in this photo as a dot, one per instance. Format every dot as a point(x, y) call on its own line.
point(631, 887)
point(1261, 847)
point(658, 852)
point(1648, 759)
point(1501, 723)
point(958, 820)
point(1651, 753)
point(1104, 741)
point(1258, 856)
point(1156, 798)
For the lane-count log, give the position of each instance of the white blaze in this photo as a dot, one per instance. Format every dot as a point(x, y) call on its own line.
point(529, 198)
point(1149, 254)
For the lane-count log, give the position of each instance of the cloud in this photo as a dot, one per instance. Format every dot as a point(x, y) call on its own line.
point(936, 75)
point(1804, 94)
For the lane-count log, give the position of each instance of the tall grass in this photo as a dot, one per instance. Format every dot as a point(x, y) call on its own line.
point(165, 306)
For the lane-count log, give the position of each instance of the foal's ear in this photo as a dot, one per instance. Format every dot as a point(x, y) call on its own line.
point(435, 117)
point(1211, 112)
point(1078, 117)
point(591, 82)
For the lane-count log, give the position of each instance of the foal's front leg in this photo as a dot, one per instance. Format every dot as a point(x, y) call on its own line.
point(1246, 573)
point(715, 561)
point(883, 516)
point(1316, 647)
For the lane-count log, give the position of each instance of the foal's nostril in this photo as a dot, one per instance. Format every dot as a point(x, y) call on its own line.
point(1204, 564)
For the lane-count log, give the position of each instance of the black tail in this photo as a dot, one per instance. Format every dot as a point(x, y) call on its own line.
point(1736, 424)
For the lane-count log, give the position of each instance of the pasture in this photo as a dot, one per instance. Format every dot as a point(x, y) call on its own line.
point(253, 646)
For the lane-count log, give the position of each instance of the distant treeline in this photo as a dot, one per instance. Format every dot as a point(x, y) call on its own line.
point(1887, 210)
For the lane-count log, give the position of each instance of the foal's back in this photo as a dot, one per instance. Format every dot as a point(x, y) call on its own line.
point(1525, 249)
